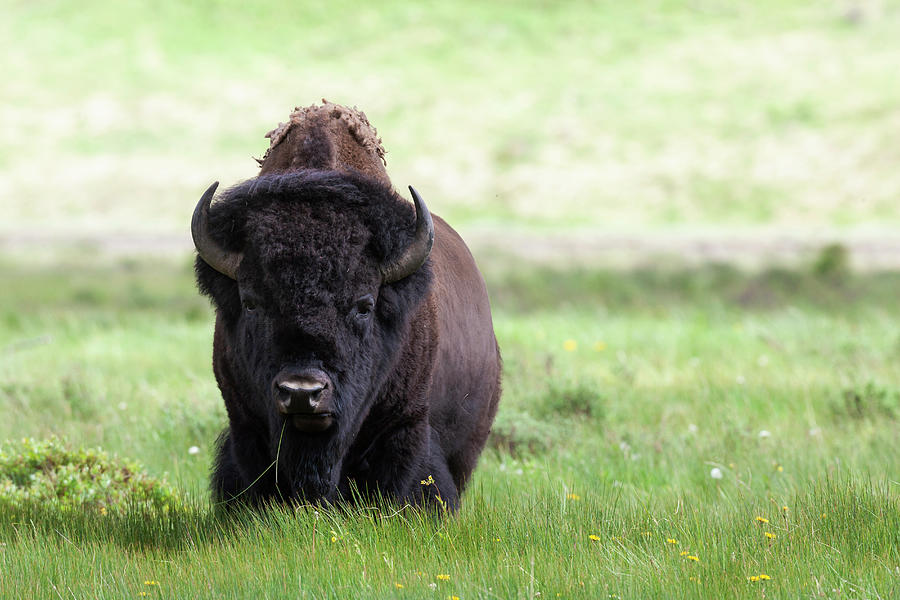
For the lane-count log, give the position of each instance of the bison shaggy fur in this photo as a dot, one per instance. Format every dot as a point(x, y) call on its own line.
point(412, 366)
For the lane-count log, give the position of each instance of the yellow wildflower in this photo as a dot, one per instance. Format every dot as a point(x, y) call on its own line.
point(762, 520)
point(780, 469)
point(671, 540)
point(693, 558)
point(596, 538)
point(600, 346)
point(333, 539)
point(770, 535)
point(399, 586)
point(683, 553)
point(428, 481)
point(102, 510)
point(151, 582)
point(573, 497)
point(763, 577)
point(443, 577)
point(452, 597)
point(570, 345)
point(753, 578)
point(496, 539)
point(784, 508)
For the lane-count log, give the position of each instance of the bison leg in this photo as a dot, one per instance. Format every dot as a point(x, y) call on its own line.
point(405, 464)
point(436, 486)
point(429, 479)
point(226, 481)
point(229, 485)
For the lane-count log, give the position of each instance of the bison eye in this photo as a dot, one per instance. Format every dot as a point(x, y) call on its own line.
point(365, 306)
point(249, 303)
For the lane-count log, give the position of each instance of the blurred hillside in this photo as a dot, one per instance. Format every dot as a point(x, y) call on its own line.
point(579, 121)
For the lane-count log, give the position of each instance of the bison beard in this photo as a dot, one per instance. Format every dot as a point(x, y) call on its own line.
point(316, 271)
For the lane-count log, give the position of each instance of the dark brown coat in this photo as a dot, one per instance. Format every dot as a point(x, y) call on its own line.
point(433, 407)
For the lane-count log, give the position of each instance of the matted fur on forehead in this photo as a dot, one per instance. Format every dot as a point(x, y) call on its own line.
point(309, 251)
point(389, 219)
point(347, 212)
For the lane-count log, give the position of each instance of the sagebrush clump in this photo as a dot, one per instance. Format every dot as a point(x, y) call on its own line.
point(47, 474)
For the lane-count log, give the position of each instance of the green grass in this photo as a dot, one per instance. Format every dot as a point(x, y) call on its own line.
point(615, 411)
point(547, 548)
point(623, 389)
point(627, 114)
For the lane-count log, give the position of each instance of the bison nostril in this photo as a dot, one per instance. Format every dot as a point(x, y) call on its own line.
point(299, 394)
point(295, 386)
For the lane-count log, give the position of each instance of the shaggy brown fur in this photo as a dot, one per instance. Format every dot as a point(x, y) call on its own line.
point(328, 137)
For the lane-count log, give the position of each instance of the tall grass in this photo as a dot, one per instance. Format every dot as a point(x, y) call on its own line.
point(617, 412)
point(513, 538)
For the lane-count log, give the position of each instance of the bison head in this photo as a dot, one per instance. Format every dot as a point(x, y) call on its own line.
point(315, 277)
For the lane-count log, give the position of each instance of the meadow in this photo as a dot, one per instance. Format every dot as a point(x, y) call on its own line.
point(671, 426)
point(629, 115)
point(748, 421)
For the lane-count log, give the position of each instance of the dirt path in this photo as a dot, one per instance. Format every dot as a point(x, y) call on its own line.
point(879, 250)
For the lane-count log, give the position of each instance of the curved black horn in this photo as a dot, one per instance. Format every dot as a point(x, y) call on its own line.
point(218, 258)
point(417, 252)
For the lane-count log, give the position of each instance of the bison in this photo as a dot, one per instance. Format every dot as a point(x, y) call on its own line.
point(353, 345)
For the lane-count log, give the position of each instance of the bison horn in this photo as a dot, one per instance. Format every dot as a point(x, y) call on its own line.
point(218, 258)
point(417, 252)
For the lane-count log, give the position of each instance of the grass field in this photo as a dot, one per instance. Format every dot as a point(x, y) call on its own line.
point(618, 405)
point(627, 114)
point(673, 429)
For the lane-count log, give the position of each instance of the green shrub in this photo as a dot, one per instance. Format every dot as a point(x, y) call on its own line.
point(832, 263)
point(570, 399)
point(46, 474)
point(872, 401)
point(519, 433)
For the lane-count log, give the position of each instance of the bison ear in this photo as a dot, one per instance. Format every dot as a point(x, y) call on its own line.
point(212, 253)
point(416, 253)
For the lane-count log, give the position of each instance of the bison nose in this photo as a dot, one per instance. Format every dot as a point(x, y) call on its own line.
point(303, 393)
